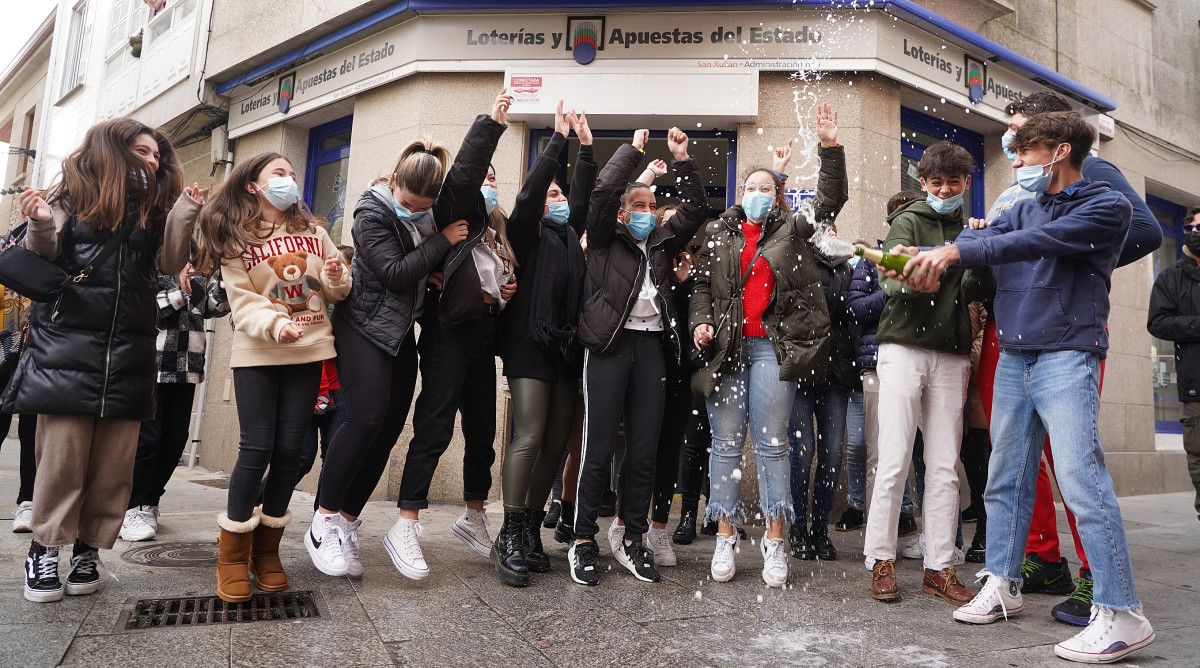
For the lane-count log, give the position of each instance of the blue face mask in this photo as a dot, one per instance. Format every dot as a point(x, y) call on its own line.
point(1006, 142)
point(490, 198)
point(641, 224)
point(756, 205)
point(944, 206)
point(558, 212)
point(1031, 178)
point(281, 192)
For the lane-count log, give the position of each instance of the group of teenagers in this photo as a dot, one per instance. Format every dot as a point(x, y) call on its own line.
point(644, 332)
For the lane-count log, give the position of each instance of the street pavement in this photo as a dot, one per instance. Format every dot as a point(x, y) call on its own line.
point(461, 615)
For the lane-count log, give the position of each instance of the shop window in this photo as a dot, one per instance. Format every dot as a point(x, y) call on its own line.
point(327, 171)
point(918, 132)
point(715, 153)
point(1167, 409)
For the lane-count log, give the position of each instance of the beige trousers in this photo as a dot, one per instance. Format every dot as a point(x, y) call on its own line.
point(84, 477)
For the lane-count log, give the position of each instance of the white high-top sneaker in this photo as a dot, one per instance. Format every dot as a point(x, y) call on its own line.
point(775, 562)
point(324, 540)
point(354, 567)
point(1109, 636)
point(723, 566)
point(616, 538)
point(658, 541)
point(998, 598)
point(404, 547)
point(471, 528)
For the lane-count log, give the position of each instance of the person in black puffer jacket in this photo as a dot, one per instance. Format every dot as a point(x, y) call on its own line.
point(626, 326)
point(89, 367)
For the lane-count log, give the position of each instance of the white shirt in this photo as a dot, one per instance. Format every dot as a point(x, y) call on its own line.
point(646, 315)
point(493, 270)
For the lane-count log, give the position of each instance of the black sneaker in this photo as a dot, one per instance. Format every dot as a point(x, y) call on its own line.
point(1044, 578)
point(822, 546)
point(608, 504)
point(1077, 609)
point(801, 545)
point(84, 577)
point(535, 554)
point(564, 531)
point(583, 557)
point(552, 516)
point(972, 513)
point(685, 533)
point(977, 553)
point(41, 574)
point(852, 519)
point(639, 561)
point(908, 525)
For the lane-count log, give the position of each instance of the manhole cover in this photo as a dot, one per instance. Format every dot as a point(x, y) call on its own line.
point(174, 555)
point(203, 610)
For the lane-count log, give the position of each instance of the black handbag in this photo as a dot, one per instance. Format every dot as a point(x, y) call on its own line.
point(699, 358)
point(31, 275)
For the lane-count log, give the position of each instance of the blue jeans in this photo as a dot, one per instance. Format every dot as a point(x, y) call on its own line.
point(856, 456)
point(825, 409)
point(753, 395)
point(1056, 393)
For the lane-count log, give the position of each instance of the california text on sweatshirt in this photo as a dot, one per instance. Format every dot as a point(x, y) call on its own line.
point(283, 281)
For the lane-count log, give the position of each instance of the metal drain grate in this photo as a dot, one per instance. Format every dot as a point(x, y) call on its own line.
point(204, 610)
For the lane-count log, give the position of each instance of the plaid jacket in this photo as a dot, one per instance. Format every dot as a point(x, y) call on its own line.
point(180, 343)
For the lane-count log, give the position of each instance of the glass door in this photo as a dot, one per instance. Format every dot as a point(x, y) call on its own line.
point(328, 168)
point(1167, 408)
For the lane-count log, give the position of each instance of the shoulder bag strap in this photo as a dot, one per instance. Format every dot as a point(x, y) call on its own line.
point(105, 252)
point(737, 294)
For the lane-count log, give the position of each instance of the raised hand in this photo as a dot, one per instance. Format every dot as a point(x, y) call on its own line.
point(500, 107)
point(640, 137)
point(659, 167)
point(827, 124)
point(783, 156)
point(193, 191)
point(677, 141)
point(34, 207)
point(579, 124)
point(561, 124)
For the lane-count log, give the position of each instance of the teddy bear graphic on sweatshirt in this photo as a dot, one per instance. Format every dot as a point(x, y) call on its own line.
point(296, 291)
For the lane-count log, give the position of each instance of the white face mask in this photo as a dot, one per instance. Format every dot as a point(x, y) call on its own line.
point(282, 192)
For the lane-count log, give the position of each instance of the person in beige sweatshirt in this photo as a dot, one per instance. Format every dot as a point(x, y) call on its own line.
point(280, 269)
point(88, 370)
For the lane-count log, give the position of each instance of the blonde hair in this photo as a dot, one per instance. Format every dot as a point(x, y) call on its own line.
point(421, 168)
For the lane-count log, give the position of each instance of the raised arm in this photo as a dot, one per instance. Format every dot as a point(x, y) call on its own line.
point(583, 179)
point(833, 188)
point(177, 235)
point(693, 209)
point(526, 216)
point(460, 192)
point(606, 198)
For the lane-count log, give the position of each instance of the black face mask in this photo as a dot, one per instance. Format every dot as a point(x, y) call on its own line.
point(1192, 241)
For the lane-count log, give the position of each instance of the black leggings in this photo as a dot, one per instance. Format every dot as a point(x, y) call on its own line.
point(377, 392)
point(542, 417)
point(693, 456)
point(670, 442)
point(26, 431)
point(161, 442)
point(458, 375)
point(275, 405)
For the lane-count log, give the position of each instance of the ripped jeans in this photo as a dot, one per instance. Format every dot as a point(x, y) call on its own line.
point(754, 395)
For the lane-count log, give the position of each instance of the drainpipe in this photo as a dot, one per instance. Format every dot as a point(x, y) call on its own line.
point(198, 421)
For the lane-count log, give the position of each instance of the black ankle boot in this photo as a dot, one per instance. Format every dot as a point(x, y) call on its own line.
point(685, 533)
point(822, 547)
point(535, 556)
point(565, 531)
point(552, 516)
point(508, 552)
point(801, 544)
point(977, 553)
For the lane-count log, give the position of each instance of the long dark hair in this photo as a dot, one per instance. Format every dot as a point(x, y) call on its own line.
point(230, 220)
point(97, 176)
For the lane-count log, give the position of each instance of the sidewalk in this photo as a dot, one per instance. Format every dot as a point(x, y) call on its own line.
point(461, 616)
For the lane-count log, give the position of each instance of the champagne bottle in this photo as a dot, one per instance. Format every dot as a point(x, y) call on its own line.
point(885, 260)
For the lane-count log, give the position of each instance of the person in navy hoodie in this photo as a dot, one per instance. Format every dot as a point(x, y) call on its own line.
point(1052, 258)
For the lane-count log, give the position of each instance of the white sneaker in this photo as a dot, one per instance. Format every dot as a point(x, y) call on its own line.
point(998, 598)
point(141, 523)
point(723, 567)
point(915, 549)
point(1109, 636)
point(23, 517)
point(658, 541)
point(354, 567)
point(616, 538)
point(324, 541)
point(404, 547)
point(775, 562)
point(471, 528)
